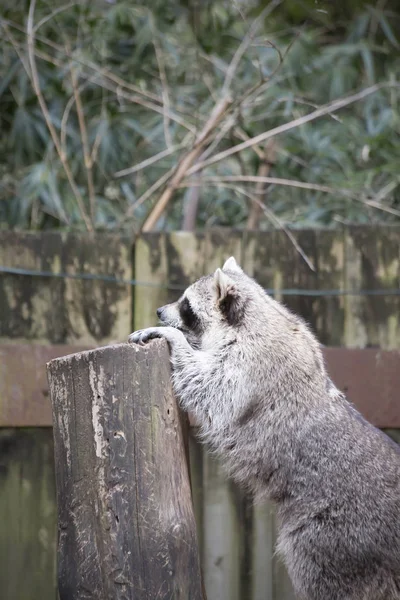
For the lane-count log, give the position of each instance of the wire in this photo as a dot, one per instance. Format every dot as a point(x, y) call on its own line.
point(174, 286)
point(89, 276)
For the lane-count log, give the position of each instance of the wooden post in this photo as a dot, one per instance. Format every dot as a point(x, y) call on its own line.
point(126, 523)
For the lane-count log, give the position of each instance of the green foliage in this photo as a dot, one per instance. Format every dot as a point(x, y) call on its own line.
point(148, 76)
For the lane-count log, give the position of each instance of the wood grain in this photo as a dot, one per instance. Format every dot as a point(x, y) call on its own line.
point(126, 522)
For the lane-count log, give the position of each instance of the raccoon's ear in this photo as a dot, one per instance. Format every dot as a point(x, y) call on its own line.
point(227, 296)
point(231, 265)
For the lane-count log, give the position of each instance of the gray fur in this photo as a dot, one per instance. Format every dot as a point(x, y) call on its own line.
point(254, 375)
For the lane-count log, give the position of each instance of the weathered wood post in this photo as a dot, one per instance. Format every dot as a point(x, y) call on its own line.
point(126, 524)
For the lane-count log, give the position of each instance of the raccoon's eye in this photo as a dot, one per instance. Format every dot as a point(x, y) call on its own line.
point(190, 320)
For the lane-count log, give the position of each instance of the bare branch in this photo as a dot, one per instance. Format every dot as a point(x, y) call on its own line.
point(85, 142)
point(17, 49)
point(64, 123)
point(246, 98)
point(151, 160)
point(164, 83)
point(247, 40)
point(99, 134)
point(150, 105)
point(191, 205)
point(387, 209)
point(242, 135)
point(90, 64)
point(224, 182)
point(54, 13)
point(220, 109)
point(186, 161)
point(108, 83)
point(225, 128)
point(326, 109)
point(150, 191)
point(317, 187)
point(271, 216)
point(264, 168)
point(46, 114)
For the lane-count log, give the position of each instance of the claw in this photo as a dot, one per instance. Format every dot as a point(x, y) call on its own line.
point(134, 338)
point(143, 335)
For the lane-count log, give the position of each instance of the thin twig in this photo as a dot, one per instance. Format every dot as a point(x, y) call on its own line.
point(64, 123)
point(263, 170)
point(115, 84)
point(150, 191)
point(220, 109)
point(242, 135)
point(387, 209)
point(85, 142)
point(186, 161)
point(150, 161)
point(100, 131)
point(271, 216)
point(65, 117)
point(274, 180)
point(46, 114)
point(55, 12)
point(90, 64)
point(243, 46)
point(17, 49)
point(164, 83)
point(150, 105)
point(21, 47)
point(245, 99)
point(225, 128)
point(224, 181)
point(316, 114)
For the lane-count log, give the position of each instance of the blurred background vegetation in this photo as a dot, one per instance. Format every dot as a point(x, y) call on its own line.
point(129, 115)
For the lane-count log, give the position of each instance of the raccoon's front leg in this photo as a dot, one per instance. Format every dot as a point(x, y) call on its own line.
point(189, 367)
point(179, 346)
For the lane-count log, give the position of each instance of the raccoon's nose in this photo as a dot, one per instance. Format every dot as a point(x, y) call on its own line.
point(159, 312)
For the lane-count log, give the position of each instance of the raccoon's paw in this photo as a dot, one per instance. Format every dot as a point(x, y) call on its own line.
point(177, 342)
point(144, 335)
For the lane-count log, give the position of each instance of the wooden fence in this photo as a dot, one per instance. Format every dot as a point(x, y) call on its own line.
point(63, 292)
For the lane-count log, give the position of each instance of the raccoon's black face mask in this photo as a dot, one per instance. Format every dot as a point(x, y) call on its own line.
point(209, 302)
point(184, 317)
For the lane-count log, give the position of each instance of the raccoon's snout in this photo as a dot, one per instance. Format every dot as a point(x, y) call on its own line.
point(169, 315)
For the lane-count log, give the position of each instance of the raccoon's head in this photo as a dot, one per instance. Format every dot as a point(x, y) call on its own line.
point(212, 301)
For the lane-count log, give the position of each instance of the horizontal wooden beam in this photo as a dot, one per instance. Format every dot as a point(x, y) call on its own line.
point(24, 394)
point(369, 377)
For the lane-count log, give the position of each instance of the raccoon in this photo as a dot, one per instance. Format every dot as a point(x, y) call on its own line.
point(253, 375)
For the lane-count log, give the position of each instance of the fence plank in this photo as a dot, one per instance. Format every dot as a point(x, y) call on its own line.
point(175, 259)
point(260, 259)
point(186, 260)
point(221, 534)
point(372, 262)
point(58, 310)
point(263, 552)
point(28, 515)
point(24, 394)
point(150, 268)
point(220, 244)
